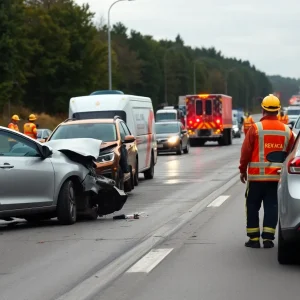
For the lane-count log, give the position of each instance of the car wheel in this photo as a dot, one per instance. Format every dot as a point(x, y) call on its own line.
point(286, 253)
point(136, 175)
point(187, 149)
point(66, 206)
point(179, 149)
point(149, 174)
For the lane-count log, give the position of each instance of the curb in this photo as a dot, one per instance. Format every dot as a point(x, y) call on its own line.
point(90, 287)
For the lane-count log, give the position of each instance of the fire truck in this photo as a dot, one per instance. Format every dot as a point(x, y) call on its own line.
point(209, 118)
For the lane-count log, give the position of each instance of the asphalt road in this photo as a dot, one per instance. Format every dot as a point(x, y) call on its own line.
point(207, 260)
point(43, 262)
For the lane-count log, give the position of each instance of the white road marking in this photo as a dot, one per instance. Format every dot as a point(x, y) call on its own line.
point(149, 261)
point(218, 202)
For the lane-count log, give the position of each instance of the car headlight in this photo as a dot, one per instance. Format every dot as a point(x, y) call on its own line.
point(173, 139)
point(106, 157)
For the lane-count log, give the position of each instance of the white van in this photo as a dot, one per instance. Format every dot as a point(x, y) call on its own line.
point(137, 113)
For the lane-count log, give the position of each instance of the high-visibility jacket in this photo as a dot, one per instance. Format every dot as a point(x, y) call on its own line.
point(13, 126)
point(248, 122)
point(284, 119)
point(30, 130)
point(271, 136)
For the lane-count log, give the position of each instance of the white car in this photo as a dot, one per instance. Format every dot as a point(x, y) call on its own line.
point(293, 113)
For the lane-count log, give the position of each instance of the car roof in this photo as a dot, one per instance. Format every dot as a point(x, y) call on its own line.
point(294, 107)
point(89, 121)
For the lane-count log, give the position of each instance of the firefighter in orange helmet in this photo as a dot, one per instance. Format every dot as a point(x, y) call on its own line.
point(14, 123)
point(283, 118)
point(30, 128)
point(262, 178)
point(248, 122)
point(14, 126)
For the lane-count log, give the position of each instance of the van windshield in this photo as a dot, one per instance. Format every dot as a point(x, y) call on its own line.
point(166, 116)
point(99, 131)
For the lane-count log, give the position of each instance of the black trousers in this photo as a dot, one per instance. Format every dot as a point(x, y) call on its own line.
point(256, 193)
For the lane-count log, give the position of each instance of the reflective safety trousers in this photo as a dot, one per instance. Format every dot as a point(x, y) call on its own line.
point(270, 137)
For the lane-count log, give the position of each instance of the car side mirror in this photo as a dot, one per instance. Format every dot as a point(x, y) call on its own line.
point(184, 131)
point(129, 139)
point(277, 156)
point(291, 126)
point(46, 151)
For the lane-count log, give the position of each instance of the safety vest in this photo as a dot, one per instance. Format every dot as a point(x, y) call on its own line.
point(248, 122)
point(272, 136)
point(30, 130)
point(13, 126)
point(284, 119)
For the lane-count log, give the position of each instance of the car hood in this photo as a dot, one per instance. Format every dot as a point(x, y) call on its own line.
point(86, 149)
point(165, 135)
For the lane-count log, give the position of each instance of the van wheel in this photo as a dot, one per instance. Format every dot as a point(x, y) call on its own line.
point(66, 206)
point(136, 175)
point(149, 174)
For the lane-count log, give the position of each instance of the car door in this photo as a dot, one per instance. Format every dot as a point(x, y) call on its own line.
point(27, 180)
point(129, 146)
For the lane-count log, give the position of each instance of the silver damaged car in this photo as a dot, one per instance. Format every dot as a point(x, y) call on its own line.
point(54, 179)
point(288, 203)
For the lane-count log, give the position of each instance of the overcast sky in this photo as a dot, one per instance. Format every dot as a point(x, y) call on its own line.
point(265, 32)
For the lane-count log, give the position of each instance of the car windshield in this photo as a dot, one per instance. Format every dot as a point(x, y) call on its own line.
point(166, 128)
point(100, 131)
point(293, 112)
point(166, 116)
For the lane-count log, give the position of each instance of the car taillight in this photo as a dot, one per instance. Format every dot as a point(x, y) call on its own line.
point(294, 166)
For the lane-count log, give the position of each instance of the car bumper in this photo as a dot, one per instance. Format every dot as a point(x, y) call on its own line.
point(167, 147)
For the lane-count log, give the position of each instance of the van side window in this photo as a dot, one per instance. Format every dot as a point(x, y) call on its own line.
point(126, 129)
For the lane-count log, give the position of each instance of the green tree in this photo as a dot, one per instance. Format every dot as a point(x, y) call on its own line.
point(15, 51)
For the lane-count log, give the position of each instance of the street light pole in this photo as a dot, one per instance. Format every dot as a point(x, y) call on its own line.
point(109, 44)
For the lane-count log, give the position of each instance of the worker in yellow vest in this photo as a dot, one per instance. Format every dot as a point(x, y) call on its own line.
point(283, 118)
point(14, 126)
point(30, 128)
point(14, 123)
point(248, 122)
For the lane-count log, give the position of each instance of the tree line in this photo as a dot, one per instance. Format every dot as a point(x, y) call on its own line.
point(287, 87)
point(52, 50)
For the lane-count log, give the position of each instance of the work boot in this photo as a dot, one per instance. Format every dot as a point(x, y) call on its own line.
point(252, 244)
point(268, 244)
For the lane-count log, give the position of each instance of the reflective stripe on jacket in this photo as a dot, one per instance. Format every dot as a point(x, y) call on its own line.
point(272, 136)
point(30, 130)
point(248, 122)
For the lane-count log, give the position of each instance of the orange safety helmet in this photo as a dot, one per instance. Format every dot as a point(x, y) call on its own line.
point(15, 118)
point(32, 117)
